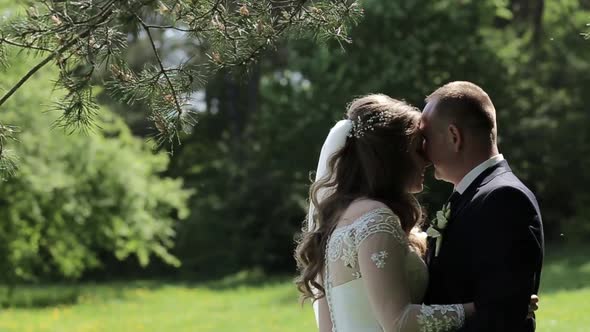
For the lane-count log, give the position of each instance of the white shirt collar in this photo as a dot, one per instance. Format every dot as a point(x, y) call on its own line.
point(474, 173)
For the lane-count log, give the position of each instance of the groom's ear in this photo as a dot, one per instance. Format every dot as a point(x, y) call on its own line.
point(456, 138)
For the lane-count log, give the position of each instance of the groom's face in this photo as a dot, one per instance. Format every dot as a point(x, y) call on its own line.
point(435, 141)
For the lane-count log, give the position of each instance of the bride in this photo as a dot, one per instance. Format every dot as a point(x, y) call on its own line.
point(360, 257)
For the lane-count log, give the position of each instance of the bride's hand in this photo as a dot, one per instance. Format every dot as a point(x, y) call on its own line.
point(533, 306)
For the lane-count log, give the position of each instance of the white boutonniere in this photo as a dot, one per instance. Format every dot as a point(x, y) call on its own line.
point(438, 224)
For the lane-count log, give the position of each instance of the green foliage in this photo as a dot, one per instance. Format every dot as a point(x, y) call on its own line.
point(251, 181)
point(78, 197)
point(543, 120)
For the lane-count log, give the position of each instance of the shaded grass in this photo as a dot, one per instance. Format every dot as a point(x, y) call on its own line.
point(247, 301)
point(565, 290)
point(566, 268)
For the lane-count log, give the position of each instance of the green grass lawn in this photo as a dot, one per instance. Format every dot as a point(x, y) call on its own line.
point(565, 291)
point(245, 302)
point(240, 303)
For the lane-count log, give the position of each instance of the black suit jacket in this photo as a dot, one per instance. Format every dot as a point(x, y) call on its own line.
point(491, 254)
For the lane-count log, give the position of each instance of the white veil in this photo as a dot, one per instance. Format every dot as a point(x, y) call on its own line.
point(333, 143)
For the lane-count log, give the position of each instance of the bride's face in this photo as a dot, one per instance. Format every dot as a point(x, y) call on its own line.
point(416, 183)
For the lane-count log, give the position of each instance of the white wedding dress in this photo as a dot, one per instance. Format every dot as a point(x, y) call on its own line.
point(374, 281)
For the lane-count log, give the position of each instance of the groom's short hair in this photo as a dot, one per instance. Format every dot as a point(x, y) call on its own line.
point(469, 106)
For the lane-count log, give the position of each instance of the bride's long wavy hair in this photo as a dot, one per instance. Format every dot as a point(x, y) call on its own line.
point(376, 165)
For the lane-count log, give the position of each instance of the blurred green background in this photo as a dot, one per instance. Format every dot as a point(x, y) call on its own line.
point(99, 233)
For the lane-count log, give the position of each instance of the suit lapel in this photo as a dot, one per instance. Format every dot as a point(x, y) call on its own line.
point(460, 203)
point(465, 198)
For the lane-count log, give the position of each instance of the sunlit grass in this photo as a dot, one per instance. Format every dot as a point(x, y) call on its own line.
point(245, 302)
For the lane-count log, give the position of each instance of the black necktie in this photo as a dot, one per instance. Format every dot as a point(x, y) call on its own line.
point(454, 198)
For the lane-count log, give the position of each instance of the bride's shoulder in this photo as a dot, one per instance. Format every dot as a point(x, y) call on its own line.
point(363, 207)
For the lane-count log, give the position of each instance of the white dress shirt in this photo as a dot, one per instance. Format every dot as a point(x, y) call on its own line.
point(474, 173)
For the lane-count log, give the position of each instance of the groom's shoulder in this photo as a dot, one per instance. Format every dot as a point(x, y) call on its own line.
point(508, 186)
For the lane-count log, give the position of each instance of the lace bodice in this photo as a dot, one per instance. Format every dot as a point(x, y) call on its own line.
point(371, 271)
point(343, 247)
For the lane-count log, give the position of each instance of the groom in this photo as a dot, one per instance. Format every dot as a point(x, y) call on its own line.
point(492, 246)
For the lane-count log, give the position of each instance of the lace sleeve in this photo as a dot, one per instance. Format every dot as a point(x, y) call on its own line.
point(382, 250)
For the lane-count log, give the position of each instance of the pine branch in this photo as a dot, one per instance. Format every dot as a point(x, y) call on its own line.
point(295, 12)
point(39, 66)
point(103, 17)
point(162, 69)
point(3, 58)
point(24, 46)
point(80, 35)
point(8, 160)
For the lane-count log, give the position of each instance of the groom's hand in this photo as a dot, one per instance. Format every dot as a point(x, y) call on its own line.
point(533, 306)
